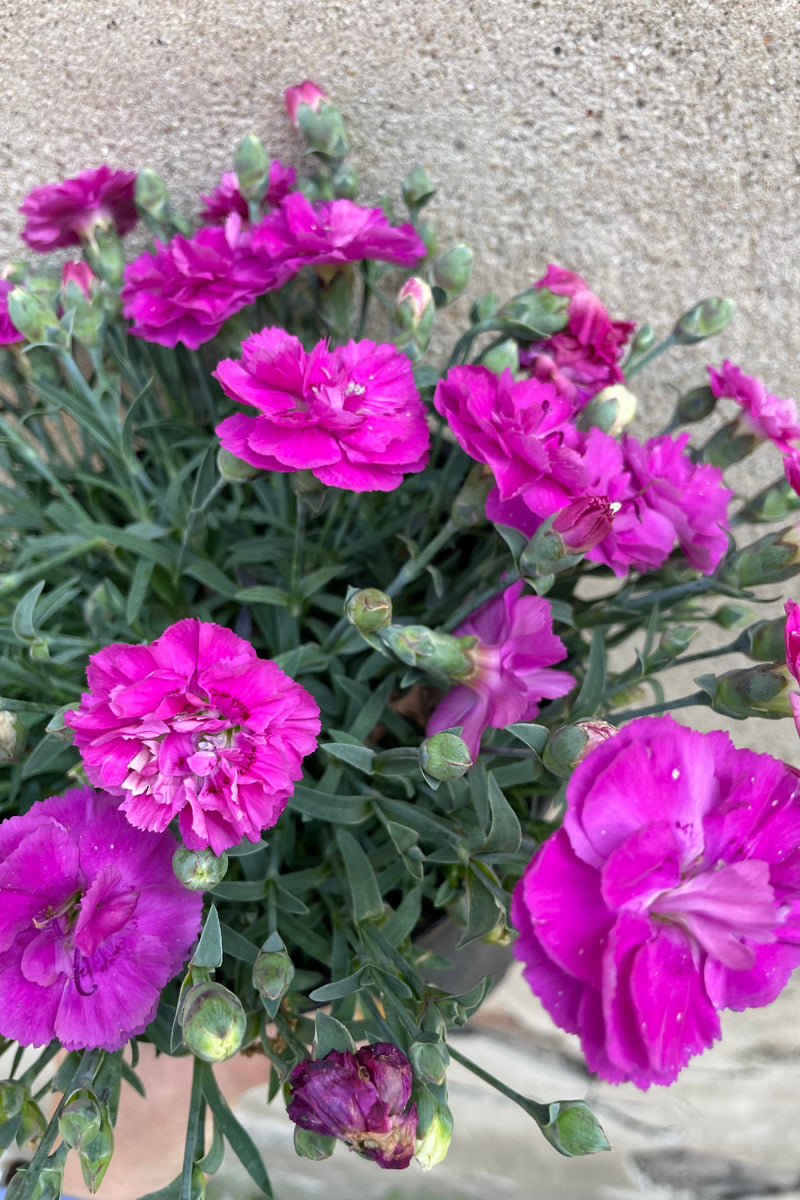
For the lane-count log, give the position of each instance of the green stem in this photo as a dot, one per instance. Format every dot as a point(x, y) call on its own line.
point(699, 699)
point(193, 1146)
point(539, 1112)
point(629, 372)
point(414, 566)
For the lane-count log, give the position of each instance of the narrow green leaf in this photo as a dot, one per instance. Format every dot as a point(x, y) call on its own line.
point(359, 757)
point(45, 754)
point(404, 919)
point(594, 684)
point(138, 589)
point(209, 947)
point(205, 572)
point(237, 946)
point(482, 910)
point(340, 810)
point(331, 1035)
point(263, 595)
point(365, 894)
point(338, 989)
point(22, 618)
point(505, 833)
point(236, 1135)
point(534, 736)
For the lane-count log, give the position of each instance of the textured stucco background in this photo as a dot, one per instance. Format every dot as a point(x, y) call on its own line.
point(653, 147)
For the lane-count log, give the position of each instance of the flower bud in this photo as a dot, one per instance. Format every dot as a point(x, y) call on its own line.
point(345, 181)
point(273, 970)
point(45, 1184)
point(469, 506)
point(445, 756)
point(776, 502)
point(412, 320)
point(443, 656)
point(321, 124)
point(451, 272)
point(432, 1147)
point(564, 749)
point(771, 559)
point(429, 1060)
point(80, 274)
point(673, 642)
point(213, 1022)
point(199, 869)
point(706, 319)
point(252, 164)
point(584, 523)
point(417, 188)
point(233, 469)
point(733, 616)
point(95, 1155)
point(12, 1097)
point(369, 610)
point(761, 691)
point(34, 317)
point(152, 197)
point(484, 308)
point(767, 640)
point(81, 1120)
point(535, 313)
point(316, 1146)
point(642, 340)
point(573, 1129)
point(428, 235)
point(13, 736)
point(695, 405)
point(729, 445)
point(504, 356)
point(103, 252)
point(611, 410)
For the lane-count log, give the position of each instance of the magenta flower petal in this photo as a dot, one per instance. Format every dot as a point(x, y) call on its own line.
point(684, 855)
point(63, 214)
point(8, 332)
point(98, 923)
point(767, 417)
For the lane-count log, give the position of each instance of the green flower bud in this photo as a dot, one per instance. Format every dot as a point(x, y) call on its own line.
point(767, 640)
point(733, 616)
point(443, 656)
point(12, 1097)
point(233, 469)
point(445, 756)
point(728, 445)
point(428, 236)
point(469, 506)
point(695, 405)
point(535, 313)
point(573, 1129)
point(412, 319)
point(563, 749)
point(484, 308)
point(345, 181)
point(13, 736)
point(504, 355)
point(273, 970)
point(761, 691)
point(103, 252)
point(251, 163)
point(673, 642)
point(432, 1147)
point(429, 1060)
point(42, 1183)
point(95, 1155)
point(642, 340)
point(316, 1146)
point(369, 610)
point(611, 410)
point(771, 559)
point(199, 869)
point(323, 129)
point(213, 1022)
point(81, 1121)
point(774, 503)
point(451, 273)
point(706, 319)
point(152, 197)
point(417, 188)
point(34, 317)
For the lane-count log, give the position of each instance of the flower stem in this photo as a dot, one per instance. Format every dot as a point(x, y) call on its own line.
point(539, 1112)
point(696, 699)
point(193, 1146)
point(414, 566)
point(629, 372)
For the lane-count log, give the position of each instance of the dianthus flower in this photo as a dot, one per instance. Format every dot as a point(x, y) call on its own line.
point(299, 233)
point(522, 430)
point(226, 197)
point(793, 653)
point(512, 667)
point(352, 415)
point(362, 1098)
point(8, 331)
point(671, 891)
point(195, 726)
point(64, 214)
point(767, 417)
point(584, 358)
point(93, 923)
point(188, 289)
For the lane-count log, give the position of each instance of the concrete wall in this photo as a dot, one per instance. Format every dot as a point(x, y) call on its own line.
point(651, 146)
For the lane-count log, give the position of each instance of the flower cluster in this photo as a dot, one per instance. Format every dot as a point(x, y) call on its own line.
point(194, 726)
point(671, 891)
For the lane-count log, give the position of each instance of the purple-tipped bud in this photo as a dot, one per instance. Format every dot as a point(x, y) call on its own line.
point(445, 756)
point(363, 1099)
point(213, 1022)
point(584, 523)
point(369, 610)
point(199, 869)
point(80, 273)
point(303, 93)
point(412, 320)
point(321, 124)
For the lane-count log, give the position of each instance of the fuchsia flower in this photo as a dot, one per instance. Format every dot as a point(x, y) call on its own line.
point(362, 1098)
point(93, 923)
point(8, 331)
point(512, 670)
point(582, 359)
point(671, 891)
point(195, 726)
point(792, 610)
point(334, 232)
point(226, 197)
point(767, 417)
point(187, 290)
point(64, 214)
point(352, 415)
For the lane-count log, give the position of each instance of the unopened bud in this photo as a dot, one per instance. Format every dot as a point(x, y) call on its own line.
point(733, 616)
point(429, 1060)
point(469, 506)
point(199, 869)
point(321, 124)
point(345, 181)
point(443, 656)
point(104, 254)
point(233, 469)
point(484, 308)
point(451, 272)
point(13, 735)
point(771, 559)
point(81, 1120)
point(535, 313)
point(432, 1147)
point(316, 1146)
point(564, 749)
point(273, 970)
point(417, 188)
point(412, 320)
point(445, 756)
point(779, 500)
point(369, 610)
point(695, 405)
point(584, 523)
point(642, 340)
point(152, 197)
point(252, 164)
point(95, 1155)
point(729, 445)
point(573, 1129)
point(673, 642)
point(308, 93)
point(213, 1022)
point(34, 317)
point(12, 1097)
point(611, 410)
point(504, 356)
point(761, 691)
point(767, 640)
point(428, 235)
point(705, 320)
point(79, 274)
point(45, 1184)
